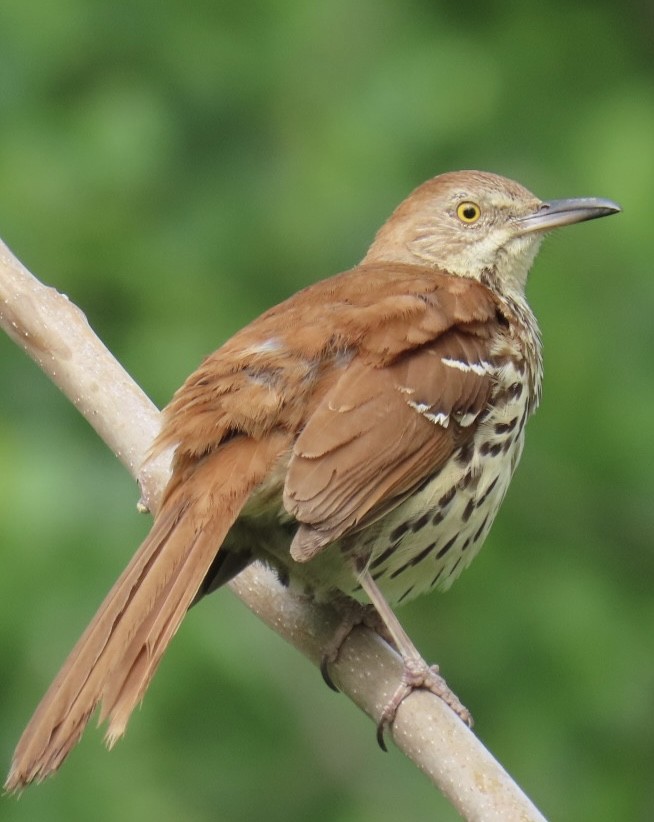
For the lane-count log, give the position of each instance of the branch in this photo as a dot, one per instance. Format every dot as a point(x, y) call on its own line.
point(55, 334)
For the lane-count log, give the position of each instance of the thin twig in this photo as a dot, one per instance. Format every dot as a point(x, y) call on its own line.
point(55, 333)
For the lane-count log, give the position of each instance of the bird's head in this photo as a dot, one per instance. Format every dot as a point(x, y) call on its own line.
point(479, 225)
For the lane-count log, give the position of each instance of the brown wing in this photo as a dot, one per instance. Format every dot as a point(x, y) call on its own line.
point(277, 369)
point(380, 432)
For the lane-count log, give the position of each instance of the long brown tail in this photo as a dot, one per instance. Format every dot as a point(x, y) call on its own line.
point(116, 657)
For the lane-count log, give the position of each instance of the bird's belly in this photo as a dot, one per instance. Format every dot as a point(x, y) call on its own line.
point(434, 535)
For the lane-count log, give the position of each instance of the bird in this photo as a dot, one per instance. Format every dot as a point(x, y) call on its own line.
point(358, 438)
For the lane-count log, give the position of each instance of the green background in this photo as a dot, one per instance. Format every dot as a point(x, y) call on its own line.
point(175, 168)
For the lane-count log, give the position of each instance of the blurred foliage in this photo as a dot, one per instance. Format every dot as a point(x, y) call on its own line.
point(177, 168)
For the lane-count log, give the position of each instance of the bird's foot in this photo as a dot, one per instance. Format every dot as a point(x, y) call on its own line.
point(418, 675)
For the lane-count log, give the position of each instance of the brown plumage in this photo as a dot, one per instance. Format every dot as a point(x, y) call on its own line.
point(359, 438)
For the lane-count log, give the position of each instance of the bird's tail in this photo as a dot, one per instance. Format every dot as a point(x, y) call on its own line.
point(116, 657)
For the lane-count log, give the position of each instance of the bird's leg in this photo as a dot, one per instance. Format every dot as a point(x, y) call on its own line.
point(416, 674)
point(351, 613)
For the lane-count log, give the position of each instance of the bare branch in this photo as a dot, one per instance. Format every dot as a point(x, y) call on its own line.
point(57, 336)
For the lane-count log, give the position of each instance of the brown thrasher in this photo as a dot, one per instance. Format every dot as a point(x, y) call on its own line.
point(359, 438)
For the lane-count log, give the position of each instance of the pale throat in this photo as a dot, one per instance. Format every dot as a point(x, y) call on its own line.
point(510, 258)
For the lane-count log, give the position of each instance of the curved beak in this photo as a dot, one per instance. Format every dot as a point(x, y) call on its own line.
point(556, 213)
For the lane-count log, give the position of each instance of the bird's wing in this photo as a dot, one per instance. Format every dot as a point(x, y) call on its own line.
point(381, 431)
point(276, 370)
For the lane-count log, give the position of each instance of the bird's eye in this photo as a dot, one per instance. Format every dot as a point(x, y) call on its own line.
point(468, 212)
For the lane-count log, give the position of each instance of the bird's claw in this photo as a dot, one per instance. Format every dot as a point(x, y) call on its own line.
point(418, 675)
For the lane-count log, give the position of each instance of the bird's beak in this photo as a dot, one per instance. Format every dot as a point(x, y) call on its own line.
point(556, 213)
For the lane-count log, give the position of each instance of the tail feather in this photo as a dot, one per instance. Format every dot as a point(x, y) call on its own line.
point(116, 657)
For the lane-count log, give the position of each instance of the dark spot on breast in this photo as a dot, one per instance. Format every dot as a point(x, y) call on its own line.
point(465, 453)
point(447, 547)
point(508, 393)
point(419, 523)
point(424, 553)
point(447, 498)
point(482, 499)
point(438, 517)
point(406, 593)
point(488, 449)
point(481, 528)
point(384, 555)
point(469, 480)
point(467, 511)
point(505, 427)
point(401, 569)
point(436, 578)
point(456, 565)
point(400, 531)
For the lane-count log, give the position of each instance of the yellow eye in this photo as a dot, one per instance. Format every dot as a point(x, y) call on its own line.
point(468, 212)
